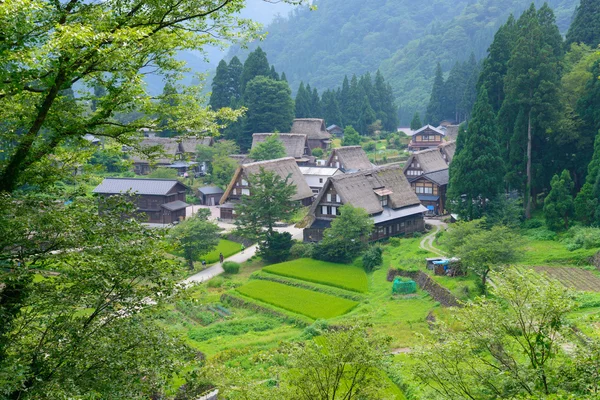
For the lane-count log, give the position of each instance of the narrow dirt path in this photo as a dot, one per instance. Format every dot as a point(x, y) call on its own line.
point(427, 242)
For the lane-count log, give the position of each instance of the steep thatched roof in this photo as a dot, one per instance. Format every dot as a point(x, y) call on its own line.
point(358, 189)
point(189, 144)
point(169, 147)
point(351, 158)
point(314, 128)
point(283, 167)
point(429, 160)
point(452, 132)
point(295, 144)
point(448, 149)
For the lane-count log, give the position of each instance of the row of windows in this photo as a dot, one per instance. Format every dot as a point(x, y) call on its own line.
point(388, 230)
point(412, 172)
point(423, 190)
point(245, 192)
point(330, 197)
point(243, 183)
point(429, 138)
point(330, 210)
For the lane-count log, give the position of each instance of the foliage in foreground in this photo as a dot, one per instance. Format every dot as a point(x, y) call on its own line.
point(507, 346)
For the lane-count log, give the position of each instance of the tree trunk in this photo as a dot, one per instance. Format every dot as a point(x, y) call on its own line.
point(528, 188)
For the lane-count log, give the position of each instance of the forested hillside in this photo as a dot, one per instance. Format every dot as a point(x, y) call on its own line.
point(403, 38)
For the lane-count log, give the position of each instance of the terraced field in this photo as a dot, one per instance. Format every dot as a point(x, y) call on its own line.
point(301, 301)
point(344, 276)
point(575, 278)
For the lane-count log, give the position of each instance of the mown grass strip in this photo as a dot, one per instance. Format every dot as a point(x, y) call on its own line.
point(315, 287)
point(238, 300)
point(305, 302)
point(344, 276)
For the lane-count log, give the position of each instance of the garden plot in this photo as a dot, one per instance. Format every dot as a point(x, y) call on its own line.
point(576, 278)
point(344, 276)
point(301, 301)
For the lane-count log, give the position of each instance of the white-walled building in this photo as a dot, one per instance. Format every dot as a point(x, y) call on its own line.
point(317, 176)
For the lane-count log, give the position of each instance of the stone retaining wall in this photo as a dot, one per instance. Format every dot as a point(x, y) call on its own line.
point(437, 292)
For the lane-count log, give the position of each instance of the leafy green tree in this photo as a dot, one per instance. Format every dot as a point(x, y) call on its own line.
point(270, 108)
point(558, 205)
point(585, 27)
point(169, 98)
point(270, 202)
point(347, 236)
point(88, 330)
point(509, 344)
point(372, 258)
point(351, 136)
point(477, 170)
point(435, 112)
point(270, 149)
point(416, 122)
point(482, 250)
point(276, 247)
point(223, 169)
point(99, 92)
point(344, 364)
point(256, 64)
point(302, 102)
point(317, 152)
point(195, 236)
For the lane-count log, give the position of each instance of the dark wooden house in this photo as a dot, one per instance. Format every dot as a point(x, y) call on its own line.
point(315, 131)
point(426, 138)
point(162, 201)
point(210, 195)
point(427, 172)
point(178, 153)
point(240, 184)
point(349, 159)
point(335, 131)
point(383, 192)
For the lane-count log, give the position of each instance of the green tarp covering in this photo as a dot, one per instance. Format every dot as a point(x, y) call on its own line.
point(404, 286)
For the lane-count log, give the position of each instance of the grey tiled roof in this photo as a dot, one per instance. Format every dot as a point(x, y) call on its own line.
point(441, 177)
point(137, 186)
point(175, 205)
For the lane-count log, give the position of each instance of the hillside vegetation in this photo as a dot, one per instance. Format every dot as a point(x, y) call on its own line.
point(403, 39)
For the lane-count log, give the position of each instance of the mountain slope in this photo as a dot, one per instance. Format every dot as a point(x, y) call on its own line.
point(404, 38)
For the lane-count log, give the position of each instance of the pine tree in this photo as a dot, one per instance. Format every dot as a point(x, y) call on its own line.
point(273, 74)
point(235, 69)
point(302, 102)
point(343, 97)
point(331, 109)
point(558, 205)
point(416, 122)
point(315, 105)
point(270, 108)
point(476, 173)
point(585, 27)
point(283, 77)
point(434, 113)
point(367, 115)
point(354, 105)
point(255, 65)
point(469, 94)
point(587, 201)
point(165, 125)
point(220, 96)
point(531, 87)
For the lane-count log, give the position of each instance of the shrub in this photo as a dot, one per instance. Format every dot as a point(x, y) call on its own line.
point(231, 267)
point(234, 328)
point(417, 234)
point(372, 258)
point(579, 237)
point(301, 250)
point(395, 242)
point(215, 282)
point(541, 234)
point(316, 329)
point(532, 224)
point(276, 248)
point(317, 152)
point(369, 146)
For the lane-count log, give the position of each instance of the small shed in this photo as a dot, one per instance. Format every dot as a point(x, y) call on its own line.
point(430, 262)
point(440, 267)
point(210, 195)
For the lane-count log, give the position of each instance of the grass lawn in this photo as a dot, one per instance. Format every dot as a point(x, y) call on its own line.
point(305, 302)
point(350, 277)
point(227, 247)
point(550, 252)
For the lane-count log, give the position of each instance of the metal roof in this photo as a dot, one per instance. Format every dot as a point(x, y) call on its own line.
point(211, 190)
point(389, 214)
point(427, 197)
point(137, 186)
point(175, 205)
point(326, 171)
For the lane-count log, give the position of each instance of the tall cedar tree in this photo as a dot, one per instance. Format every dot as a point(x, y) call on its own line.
point(302, 103)
point(354, 104)
point(220, 96)
point(343, 98)
point(316, 110)
point(270, 202)
point(270, 108)
point(587, 207)
point(587, 106)
point(235, 69)
point(331, 109)
point(435, 111)
point(558, 205)
point(169, 99)
point(531, 87)
point(477, 171)
point(416, 122)
point(255, 65)
point(585, 27)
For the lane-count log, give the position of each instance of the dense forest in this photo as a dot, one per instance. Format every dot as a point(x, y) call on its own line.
point(405, 42)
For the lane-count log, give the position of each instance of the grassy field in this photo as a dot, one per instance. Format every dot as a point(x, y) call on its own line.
point(343, 276)
point(305, 302)
point(227, 247)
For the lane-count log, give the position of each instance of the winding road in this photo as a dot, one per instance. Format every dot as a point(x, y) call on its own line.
point(427, 242)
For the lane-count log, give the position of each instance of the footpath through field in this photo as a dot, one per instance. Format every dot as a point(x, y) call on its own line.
point(427, 242)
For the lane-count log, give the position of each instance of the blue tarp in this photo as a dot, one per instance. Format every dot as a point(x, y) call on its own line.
point(441, 262)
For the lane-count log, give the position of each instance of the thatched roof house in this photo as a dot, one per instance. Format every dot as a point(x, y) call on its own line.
point(383, 192)
point(314, 129)
point(296, 145)
point(240, 185)
point(452, 132)
point(448, 149)
point(424, 161)
point(189, 144)
point(349, 159)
